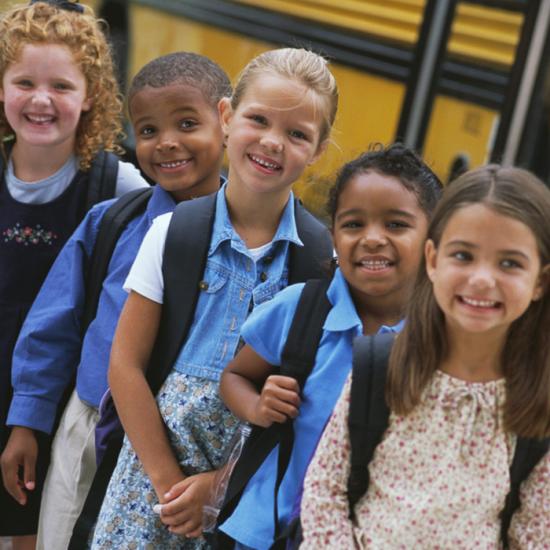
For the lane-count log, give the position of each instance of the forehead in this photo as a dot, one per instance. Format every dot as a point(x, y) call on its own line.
point(483, 226)
point(372, 191)
point(42, 55)
point(151, 102)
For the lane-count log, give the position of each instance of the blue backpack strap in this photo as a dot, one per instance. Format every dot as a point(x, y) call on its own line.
point(102, 178)
point(368, 412)
point(112, 224)
point(527, 455)
point(298, 359)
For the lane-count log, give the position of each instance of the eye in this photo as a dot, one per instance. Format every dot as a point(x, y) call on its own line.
point(298, 134)
point(396, 224)
point(24, 83)
point(351, 224)
point(260, 119)
point(462, 256)
point(61, 86)
point(146, 131)
point(508, 263)
point(188, 124)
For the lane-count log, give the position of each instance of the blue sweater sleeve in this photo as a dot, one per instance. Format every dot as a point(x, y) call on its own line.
point(48, 348)
point(266, 330)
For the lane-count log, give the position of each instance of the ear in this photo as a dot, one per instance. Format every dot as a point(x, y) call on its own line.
point(226, 113)
point(1, 95)
point(542, 283)
point(87, 104)
point(320, 150)
point(430, 256)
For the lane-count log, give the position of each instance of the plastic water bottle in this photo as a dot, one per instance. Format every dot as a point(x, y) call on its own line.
point(221, 480)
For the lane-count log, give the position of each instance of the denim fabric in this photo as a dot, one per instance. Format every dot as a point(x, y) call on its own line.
point(233, 284)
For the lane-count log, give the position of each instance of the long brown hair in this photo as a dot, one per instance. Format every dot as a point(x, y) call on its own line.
point(525, 361)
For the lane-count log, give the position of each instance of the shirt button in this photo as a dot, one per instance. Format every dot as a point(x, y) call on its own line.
point(268, 259)
point(203, 285)
point(263, 276)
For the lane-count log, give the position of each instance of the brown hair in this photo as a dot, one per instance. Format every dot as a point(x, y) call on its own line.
point(525, 361)
point(308, 68)
point(42, 23)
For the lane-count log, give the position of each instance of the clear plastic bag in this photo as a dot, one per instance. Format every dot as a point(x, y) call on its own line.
point(219, 486)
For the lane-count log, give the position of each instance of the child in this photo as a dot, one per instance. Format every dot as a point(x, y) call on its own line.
point(277, 122)
point(179, 144)
point(468, 375)
point(379, 207)
point(61, 107)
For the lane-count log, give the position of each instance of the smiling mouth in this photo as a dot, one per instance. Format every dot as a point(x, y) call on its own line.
point(376, 265)
point(479, 304)
point(173, 164)
point(270, 165)
point(40, 119)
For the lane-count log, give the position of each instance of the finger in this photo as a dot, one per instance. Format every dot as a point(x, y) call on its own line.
point(11, 482)
point(190, 528)
point(29, 469)
point(281, 407)
point(180, 517)
point(178, 489)
point(287, 396)
point(286, 382)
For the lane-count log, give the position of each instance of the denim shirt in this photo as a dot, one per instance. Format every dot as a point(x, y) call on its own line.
point(232, 285)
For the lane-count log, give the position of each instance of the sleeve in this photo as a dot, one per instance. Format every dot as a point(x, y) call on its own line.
point(266, 330)
point(145, 275)
point(128, 178)
point(48, 348)
point(530, 527)
point(325, 511)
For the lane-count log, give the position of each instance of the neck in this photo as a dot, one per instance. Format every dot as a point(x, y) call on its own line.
point(474, 357)
point(32, 163)
point(255, 216)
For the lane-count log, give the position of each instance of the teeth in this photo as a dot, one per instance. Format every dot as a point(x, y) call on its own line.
point(174, 163)
point(262, 162)
point(39, 119)
point(375, 264)
point(478, 303)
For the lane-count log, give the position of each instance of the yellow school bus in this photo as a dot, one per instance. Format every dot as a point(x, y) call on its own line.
point(463, 82)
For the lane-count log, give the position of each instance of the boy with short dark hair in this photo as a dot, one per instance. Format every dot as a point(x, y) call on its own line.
point(179, 144)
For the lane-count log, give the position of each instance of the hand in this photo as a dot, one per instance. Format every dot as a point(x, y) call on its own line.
point(183, 512)
point(20, 452)
point(279, 400)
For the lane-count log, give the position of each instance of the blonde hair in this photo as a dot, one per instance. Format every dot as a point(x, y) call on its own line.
point(308, 68)
point(42, 23)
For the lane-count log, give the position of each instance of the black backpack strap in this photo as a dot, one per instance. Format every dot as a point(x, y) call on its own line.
point(527, 455)
point(298, 358)
point(113, 223)
point(368, 411)
point(102, 179)
point(183, 265)
point(311, 260)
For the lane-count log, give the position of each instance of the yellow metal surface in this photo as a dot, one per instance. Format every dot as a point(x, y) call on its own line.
point(458, 128)
point(369, 106)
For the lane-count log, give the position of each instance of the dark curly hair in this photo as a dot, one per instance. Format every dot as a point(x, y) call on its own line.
point(395, 160)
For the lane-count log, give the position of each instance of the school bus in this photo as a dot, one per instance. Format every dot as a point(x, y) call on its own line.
point(463, 82)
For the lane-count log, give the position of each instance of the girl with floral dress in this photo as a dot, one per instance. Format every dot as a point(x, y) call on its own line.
point(277, 122)
point(468, 375)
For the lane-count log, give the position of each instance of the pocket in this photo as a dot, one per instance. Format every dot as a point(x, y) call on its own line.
point(213, 281)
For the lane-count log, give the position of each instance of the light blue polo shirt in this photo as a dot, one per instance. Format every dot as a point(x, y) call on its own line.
point(251, 524)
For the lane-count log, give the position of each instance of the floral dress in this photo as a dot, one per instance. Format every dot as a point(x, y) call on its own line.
point(438, 479)
point(200, 428)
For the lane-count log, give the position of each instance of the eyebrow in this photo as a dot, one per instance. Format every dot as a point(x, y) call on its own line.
point(506, 252)
point(392, 212)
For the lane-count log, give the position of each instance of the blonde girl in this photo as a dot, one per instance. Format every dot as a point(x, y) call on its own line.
point(277, 122)
point(468, 376)
point(60, 108)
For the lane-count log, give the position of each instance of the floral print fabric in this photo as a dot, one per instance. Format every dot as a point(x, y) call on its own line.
point(200, 428)
point(438, 479)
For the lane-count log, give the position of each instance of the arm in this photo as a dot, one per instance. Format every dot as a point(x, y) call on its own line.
point(530, 527)
point(132, 345)
point(325, 510)
point(239, 388)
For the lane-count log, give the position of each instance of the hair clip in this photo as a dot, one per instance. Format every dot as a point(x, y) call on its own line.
point(69, 5)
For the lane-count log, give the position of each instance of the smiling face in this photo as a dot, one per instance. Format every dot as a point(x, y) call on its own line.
point(379, 230)
point(44, 94)
point(273, 134)
point(485, 272)
point(179, 140)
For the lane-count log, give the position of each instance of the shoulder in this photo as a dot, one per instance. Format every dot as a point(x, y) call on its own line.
point(282, 305)
point(128, 178)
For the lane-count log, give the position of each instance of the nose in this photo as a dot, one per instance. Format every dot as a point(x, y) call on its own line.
point(41, 97)
point(166, 143)
point(482, 278)
point(373, 238)
point(271, 142)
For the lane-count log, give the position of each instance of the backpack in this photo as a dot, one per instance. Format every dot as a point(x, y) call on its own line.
point(189, 235)
point(368, 420)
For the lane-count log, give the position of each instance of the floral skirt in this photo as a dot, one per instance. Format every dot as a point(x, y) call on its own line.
point(200, 428)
